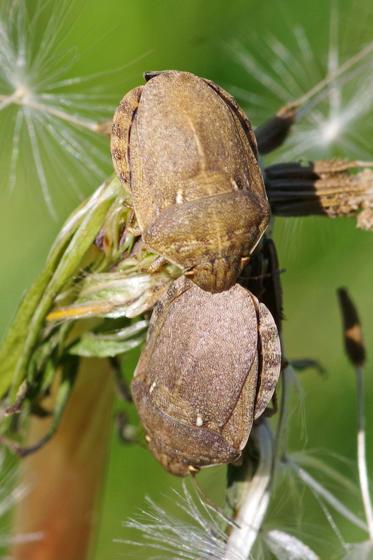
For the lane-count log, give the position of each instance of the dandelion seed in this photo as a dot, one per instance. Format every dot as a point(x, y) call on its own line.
point(359, 551)
point(52, 133)
point(195, 534)
point(320, 490)
point(333, 94)
point(287, 547)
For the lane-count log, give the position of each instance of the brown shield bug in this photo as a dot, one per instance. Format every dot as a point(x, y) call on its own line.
point(189, 155)
point(208, 370)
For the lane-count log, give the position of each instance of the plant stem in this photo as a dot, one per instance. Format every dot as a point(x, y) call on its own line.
point(361, 452)
point(65, 477)
point(330, 188)
point(255, 500)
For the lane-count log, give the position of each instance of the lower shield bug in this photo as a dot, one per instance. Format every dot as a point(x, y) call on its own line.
point(208, 370)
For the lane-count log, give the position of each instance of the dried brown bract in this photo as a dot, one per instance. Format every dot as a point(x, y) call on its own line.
point(327, 188)
point(352, 330)
point(208, 370)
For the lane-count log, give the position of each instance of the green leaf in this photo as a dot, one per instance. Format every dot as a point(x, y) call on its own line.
point(64, 260)
point(94, 346)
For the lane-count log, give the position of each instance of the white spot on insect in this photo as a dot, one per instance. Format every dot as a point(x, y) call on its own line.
point(179, 197)
point(234, 185)
point(199, 420)
point(152, 387)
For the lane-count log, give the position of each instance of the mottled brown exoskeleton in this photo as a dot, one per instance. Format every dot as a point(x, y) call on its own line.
point(208, 370)
point(189, 155)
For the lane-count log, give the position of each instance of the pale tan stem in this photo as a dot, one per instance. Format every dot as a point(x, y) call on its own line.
point(65, 477)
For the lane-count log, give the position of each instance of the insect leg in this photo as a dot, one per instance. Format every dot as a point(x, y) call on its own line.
point(69, 371)
point(157, 265)
point(128, 433)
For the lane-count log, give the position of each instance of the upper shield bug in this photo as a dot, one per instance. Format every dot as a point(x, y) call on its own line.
point(189, 155)
point(208, 370)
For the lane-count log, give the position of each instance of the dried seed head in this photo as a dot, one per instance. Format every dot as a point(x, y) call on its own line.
point(353, 335)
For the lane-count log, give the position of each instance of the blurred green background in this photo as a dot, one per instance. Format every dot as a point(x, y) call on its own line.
point(318, 255)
